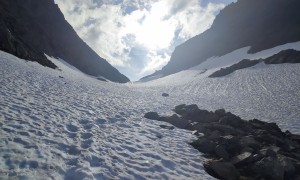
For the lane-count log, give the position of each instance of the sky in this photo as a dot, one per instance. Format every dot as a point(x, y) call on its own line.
point(138, 36)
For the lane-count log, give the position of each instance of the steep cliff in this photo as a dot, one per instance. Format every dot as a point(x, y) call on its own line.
point(31, 28)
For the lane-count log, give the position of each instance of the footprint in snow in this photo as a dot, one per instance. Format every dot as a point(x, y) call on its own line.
point(100, 121)
point(87, 125)
point(72, 128)
point(86, 144)
point(72, 150)
point(84, 121)
point(72, 135)
point(29, 164)
point(95, 161)
point(86, 135)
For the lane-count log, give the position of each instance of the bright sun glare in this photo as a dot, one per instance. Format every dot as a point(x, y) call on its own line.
point(152, 30)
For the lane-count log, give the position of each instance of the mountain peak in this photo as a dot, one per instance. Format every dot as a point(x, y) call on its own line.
point(33, 28)
point(255, 23)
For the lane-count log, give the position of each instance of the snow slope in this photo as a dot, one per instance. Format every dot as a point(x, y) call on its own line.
point(267, 92)
point(78, 127)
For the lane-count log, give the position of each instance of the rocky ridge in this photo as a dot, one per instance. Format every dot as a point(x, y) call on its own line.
point(236, 148)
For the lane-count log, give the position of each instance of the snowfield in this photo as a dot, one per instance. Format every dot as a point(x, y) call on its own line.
point(62, 124)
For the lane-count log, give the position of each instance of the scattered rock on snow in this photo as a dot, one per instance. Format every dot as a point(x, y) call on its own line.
point(239, 149)
point(222, 152)
point(165, 94)
point(269, 168)
point(222, 170)
point(152, 115)
point(242, 159)
point(249, 142)
point(193, 113)
point(204, 145)
point(176, 121)
point(167, 127)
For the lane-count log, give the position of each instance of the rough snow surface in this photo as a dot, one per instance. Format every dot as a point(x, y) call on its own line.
point(62, 124)
point(266, 92)
point(76, 127)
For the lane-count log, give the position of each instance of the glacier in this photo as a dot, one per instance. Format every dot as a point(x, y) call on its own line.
point(63, 124)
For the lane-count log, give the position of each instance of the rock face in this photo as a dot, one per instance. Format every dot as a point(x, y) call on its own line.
point(256, 23)
point(238, 149)
point(240, 65)
point(286, 56)
point(31, 28)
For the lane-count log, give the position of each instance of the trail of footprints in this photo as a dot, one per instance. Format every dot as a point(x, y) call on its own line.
point(81, 130)
point(26, 129)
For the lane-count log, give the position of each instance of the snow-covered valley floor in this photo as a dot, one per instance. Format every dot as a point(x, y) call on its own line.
point(78, 127)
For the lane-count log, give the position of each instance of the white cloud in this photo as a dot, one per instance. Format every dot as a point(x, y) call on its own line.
point(114, 28)
point(154, 62)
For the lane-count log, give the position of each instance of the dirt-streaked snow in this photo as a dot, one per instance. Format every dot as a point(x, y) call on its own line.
point(78, 127)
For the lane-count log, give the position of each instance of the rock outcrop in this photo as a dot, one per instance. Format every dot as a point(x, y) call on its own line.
point(31, 28)
point(245, 63)
point(236, 148)
point(286, 56)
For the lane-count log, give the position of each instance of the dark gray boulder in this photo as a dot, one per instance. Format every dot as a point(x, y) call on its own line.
point(222, 170)
point(220, 151)
point(249, 141)
point(167, 127)
point(204, 145)
point(232, 120)
point(269, 168)
point(242, 159)
point(289, 166)
point(231, 143)
point(165, 95)
point(193, 113)
point(176, 121)
point(220, 112)
point(152, 115)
